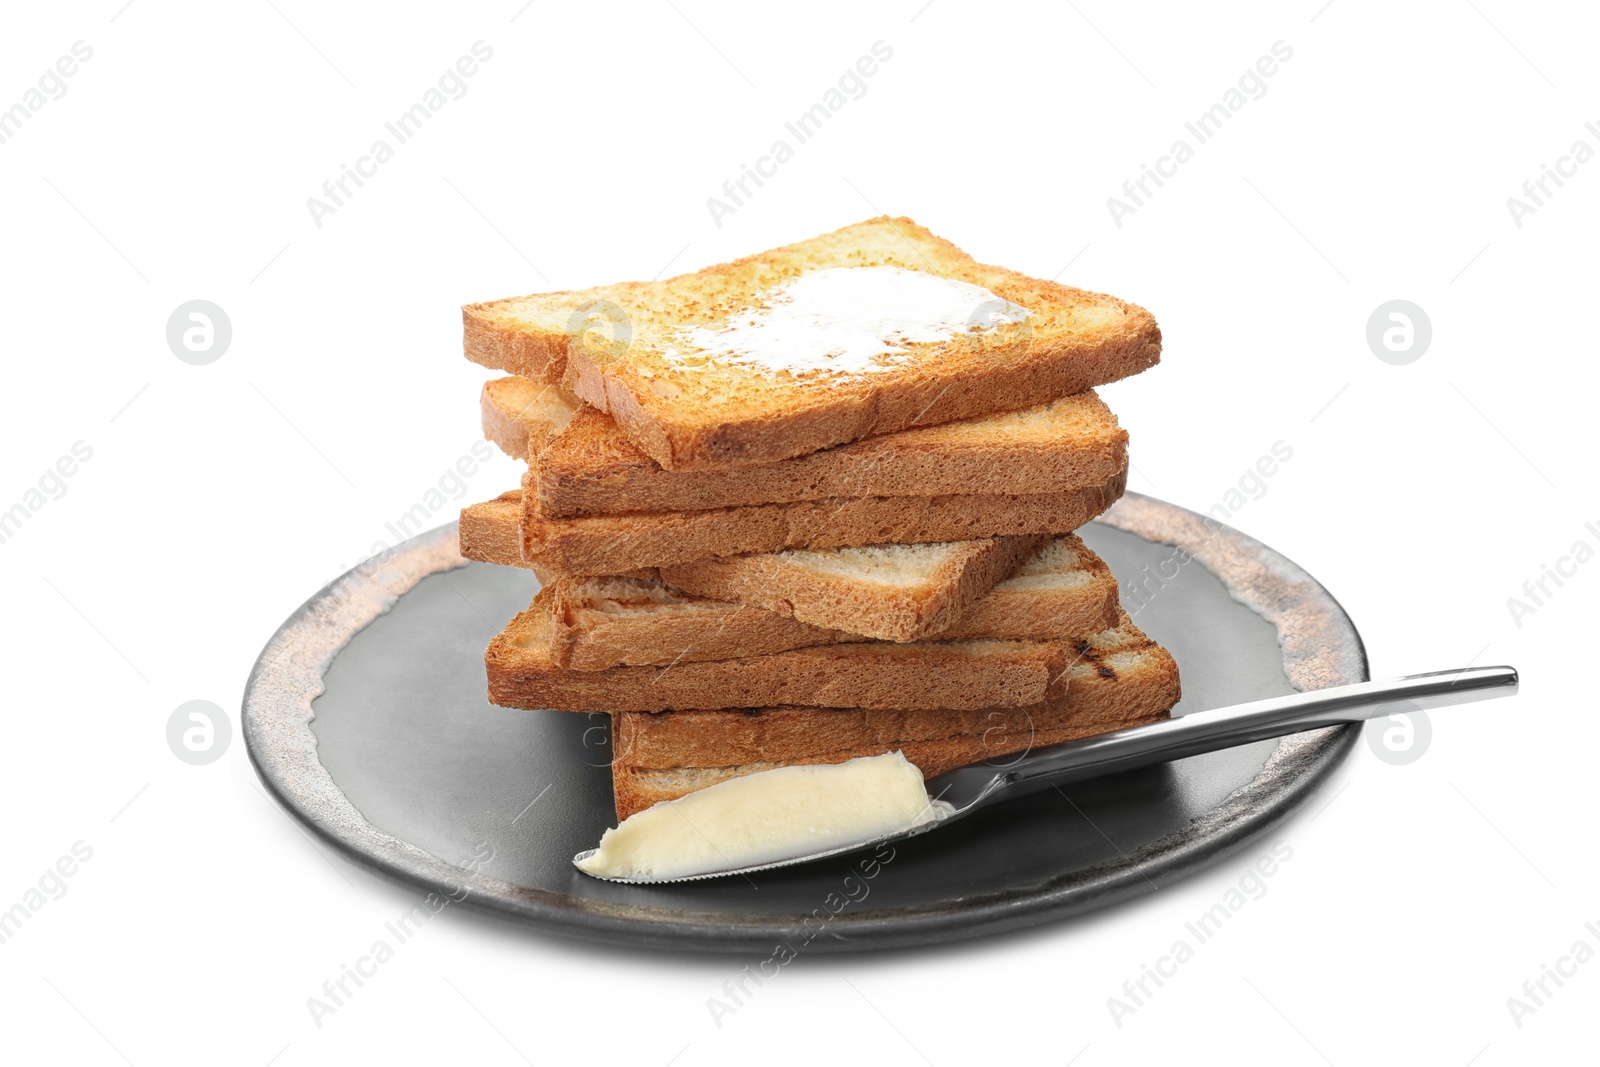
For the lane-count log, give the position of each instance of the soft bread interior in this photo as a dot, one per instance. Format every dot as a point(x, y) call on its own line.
point(892, 565)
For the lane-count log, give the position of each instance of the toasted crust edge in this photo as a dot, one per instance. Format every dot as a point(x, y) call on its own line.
point(607, 544)
point(521, 674)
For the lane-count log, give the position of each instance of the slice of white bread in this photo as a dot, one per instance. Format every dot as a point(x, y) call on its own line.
point(1120, 679)
point(1061, 591)
point(975, 673)
point(890, 592)
point(584, 466)
point(522, 415)
point(691, 408)
point(497, 531)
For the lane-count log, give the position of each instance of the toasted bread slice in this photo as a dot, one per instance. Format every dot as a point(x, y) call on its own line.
point(891, 592)
point(590, 468)
point(975, 673)
point(491, 532)
point(873, 328)
point(635, 789)
point(497, 532)
point(1121, 679)
point(896, 592)
point(1061, 591)
point(521, 415)
point(1116, 674)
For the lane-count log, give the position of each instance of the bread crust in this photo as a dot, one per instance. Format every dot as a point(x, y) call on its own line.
point(607, 544)
point(1117, 674)
point(589, 467)
point(634, 789)
point(966, 674)
point(633, 621)
point(600, 544)
point(1120, 678)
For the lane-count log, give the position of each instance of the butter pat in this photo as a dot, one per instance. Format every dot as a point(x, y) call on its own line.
point(851, 320)
point(765, 817)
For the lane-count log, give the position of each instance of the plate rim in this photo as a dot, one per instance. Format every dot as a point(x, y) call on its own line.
point(1320, 643)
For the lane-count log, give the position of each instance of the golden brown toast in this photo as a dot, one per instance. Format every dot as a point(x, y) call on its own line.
point(1120, 678)
point(974, 673)
point(497, 531)
point(673, 364)
point(1061, 591)
point(584, 466)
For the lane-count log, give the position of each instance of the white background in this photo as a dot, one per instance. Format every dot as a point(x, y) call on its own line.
point(1377, 166)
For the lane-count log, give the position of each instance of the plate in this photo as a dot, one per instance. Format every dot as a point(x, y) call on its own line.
point(366, 718)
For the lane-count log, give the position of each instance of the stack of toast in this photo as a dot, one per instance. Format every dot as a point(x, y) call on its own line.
point(815, 504)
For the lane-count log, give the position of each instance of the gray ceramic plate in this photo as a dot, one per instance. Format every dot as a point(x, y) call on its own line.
point(366, 718)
